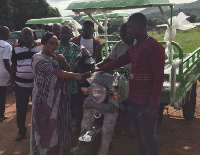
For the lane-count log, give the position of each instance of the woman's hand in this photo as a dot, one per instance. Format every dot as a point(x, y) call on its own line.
point(61, 58)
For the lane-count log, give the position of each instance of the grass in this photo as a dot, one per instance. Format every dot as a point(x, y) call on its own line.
point(189, 40)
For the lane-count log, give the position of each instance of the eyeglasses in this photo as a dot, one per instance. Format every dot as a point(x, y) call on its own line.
point(53, 43)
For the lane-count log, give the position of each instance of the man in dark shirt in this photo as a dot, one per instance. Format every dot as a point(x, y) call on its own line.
point(147, 58)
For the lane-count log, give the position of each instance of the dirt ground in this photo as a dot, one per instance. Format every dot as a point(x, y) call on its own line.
point(175, 135)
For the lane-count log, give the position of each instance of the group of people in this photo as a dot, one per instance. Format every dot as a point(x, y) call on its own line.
point(46, 73)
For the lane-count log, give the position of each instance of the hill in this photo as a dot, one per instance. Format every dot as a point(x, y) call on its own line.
point(185, 7)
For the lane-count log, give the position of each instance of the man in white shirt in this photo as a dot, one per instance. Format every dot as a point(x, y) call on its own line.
point(23, 76)
point(5, 56)
point(120, 47)
point(93, 45)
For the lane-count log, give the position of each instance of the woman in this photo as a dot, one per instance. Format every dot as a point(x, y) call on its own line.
point(51, 121)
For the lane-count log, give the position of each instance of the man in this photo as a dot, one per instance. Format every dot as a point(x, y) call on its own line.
point(118, 50)
point(120, 47)
point(147, 58)
point(5, 56)
point(70, 52)
point(86, 39)
point(56, 29)
point(93, 45)
point(23, 76)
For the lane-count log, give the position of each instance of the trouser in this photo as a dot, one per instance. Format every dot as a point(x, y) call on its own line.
point(77, 101)
point(22, 95)
point(107, 128)
point(145, 132)
point(2, 100)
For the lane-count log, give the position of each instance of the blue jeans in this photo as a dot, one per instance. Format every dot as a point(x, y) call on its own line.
point(145, 132)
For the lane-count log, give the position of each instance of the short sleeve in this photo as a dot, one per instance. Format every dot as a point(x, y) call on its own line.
point(8, 52)
point(113, 53)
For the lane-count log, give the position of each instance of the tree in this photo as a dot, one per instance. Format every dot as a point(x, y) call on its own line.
point(6, 13)
point(192, 18)
point(152, 22)
point(30, 9)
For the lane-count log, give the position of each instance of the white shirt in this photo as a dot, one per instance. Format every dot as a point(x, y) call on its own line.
point(5, 53)
point(118, 50)
point(88, 44)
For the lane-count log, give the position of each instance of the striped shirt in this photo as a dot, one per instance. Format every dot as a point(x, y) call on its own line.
point(22, 56)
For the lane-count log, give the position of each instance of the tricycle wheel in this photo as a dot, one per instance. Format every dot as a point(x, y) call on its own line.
point(189, 107)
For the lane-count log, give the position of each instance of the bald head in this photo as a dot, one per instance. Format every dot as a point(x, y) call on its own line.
point(65, 33)
point(4, 33)
point(27, 36)
point(56, 29)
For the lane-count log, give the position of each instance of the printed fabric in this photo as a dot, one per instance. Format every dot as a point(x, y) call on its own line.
point(50, 113)
point(70, 53)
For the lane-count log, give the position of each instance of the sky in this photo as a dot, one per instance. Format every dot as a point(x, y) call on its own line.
point(62, 5)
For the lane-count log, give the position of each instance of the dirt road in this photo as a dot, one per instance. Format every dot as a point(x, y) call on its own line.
point(175, 136)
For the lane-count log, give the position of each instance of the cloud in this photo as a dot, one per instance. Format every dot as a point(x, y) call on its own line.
point(61, 5)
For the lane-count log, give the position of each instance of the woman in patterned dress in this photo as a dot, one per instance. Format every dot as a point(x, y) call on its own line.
point(51, 119)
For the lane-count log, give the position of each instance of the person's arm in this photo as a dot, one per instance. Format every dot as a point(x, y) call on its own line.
point(157, 64)
point(97, 50)
point(112, 56)
point(100, 64)
point(47, 69)
point(76, 76)
point(119, 62)
point(61, 58)
point(6, 57)
point(7, 65)
point(13, 67)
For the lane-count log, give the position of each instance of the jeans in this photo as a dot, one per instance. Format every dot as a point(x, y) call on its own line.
point(22, 99)
point(2, 100)
point(145, 132)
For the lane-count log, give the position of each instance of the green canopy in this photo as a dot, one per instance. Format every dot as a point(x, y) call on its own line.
point(49, 20)
point(110, 15)
point(90, 6)
point(93, 5)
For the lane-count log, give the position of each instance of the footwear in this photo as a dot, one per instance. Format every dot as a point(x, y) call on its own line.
point(3, 118)
point(21, 134)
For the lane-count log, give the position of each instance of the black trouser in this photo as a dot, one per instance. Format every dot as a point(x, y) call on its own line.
point(77, 100)
point(22, 99)
point(2, 100)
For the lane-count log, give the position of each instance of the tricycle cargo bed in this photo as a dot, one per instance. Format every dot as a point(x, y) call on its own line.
point(180, 76)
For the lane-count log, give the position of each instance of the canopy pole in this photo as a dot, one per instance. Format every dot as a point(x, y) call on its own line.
point(161, 10)
point(96, 21)
point(106, 32)
point(169, 42)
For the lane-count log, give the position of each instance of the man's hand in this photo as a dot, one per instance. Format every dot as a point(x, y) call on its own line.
point(149, 113)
